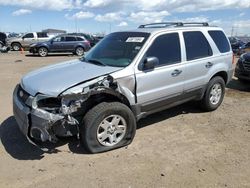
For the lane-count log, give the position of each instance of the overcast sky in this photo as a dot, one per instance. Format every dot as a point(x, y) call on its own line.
point(105, 15)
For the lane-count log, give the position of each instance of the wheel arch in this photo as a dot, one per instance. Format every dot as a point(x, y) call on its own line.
point(16, 42)
point(78, 45)
point(98, 97)
point(222, 74)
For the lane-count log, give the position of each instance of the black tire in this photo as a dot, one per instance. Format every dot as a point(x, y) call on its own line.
point(79, 51)
point(43, 52)
point(93, 119)
point(16, 46)
point(206, 103)
point(243, 81)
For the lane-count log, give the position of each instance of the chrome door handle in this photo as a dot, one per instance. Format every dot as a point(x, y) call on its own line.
point(209, 64)
point(176, 72)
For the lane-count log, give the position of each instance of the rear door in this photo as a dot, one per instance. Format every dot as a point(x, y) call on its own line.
point(198, 61)
point(69, 43)
point(41, 36)
point(163, 84)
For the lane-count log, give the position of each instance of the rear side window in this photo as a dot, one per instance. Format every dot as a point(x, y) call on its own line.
point(42, 35)
point(29, 35)
point(70, 39)
point(166, 48)
point(197, 45)
point(220, 40)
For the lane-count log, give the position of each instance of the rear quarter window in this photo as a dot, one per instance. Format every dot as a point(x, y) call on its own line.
point(220, 40)
point(79, 39)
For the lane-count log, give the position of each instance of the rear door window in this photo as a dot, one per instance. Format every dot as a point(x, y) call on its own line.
point(166, 48)
point(42, 35)
point(220, 40)
point(70, 39)
point(29, 35)
point(197, 45)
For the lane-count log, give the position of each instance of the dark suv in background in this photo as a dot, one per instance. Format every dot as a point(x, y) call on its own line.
point(62, 43)
point(242, 69)
point(93, 40)
point(2, 39)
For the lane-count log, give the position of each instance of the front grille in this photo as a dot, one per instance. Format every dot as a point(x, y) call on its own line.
point(22, 94)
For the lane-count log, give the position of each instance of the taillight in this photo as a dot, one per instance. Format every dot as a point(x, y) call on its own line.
point(88, 42)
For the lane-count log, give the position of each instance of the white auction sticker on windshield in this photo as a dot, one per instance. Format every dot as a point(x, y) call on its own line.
point(135, 39)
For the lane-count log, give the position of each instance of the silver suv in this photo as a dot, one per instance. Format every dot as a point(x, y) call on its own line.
point(125, 77)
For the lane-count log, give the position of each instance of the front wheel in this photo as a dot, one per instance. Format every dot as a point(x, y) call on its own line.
point(214, 94)
point(107, 126)
point(43, 52)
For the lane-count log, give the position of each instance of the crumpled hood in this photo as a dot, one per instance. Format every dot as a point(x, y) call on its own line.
point(54, 79)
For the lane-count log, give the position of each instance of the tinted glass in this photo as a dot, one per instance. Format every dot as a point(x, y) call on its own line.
point(58, 39)
point(118, 49)
point(220, 40)
point(79, 39)
point(197, 45)
point(29, 35)
point(42, 35)
point(70, 39)
point(166, 48)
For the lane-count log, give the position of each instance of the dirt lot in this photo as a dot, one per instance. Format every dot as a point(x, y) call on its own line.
point(180, 147)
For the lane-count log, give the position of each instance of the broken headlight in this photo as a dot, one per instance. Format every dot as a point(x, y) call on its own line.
point(49, 104)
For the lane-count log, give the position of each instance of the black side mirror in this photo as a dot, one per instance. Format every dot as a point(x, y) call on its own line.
point(51, 41)
point(150, 63)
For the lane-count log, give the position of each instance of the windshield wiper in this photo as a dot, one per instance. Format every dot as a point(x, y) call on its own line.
point(94, 61)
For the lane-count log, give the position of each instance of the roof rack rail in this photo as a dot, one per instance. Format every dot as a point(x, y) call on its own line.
point(161, 24)
point(168, 24)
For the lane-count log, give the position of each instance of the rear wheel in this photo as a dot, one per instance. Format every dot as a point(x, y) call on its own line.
point(43, 52)
point(79, 51)
point(214, 94)
point(16, 46)
point(107, 126)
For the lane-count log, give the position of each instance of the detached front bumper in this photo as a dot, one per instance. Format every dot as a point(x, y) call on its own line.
point(35, 124)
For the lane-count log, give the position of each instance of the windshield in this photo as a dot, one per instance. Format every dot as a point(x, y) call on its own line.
point(117, 49)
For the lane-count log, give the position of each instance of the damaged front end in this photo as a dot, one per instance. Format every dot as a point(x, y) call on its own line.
point(44, 118)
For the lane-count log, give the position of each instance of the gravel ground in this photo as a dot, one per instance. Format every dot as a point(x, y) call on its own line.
point(179, 147)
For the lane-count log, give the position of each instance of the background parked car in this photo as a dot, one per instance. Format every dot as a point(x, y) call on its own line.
point(26, 40)
point(93, 40)
point(2, 39)
point(236, 44)
point(242, 69)
point(244, 48)
point(62, 43)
